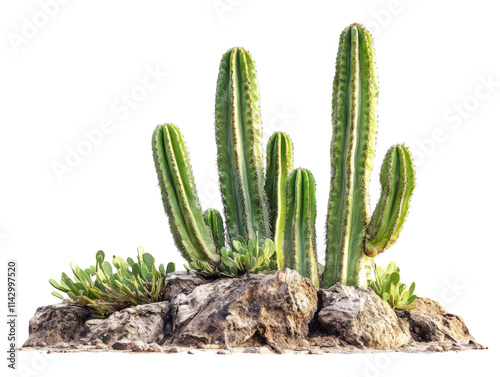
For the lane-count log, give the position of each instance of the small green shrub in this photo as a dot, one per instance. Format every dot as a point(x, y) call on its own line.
point(254, 256)
point(103, 291)
point(387, 285)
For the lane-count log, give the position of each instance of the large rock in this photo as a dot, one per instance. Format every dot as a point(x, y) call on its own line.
point(268, 309)
point(429, 322)
point(54, 324)
point(361, 318)
point(143, 322)
point(181, 282)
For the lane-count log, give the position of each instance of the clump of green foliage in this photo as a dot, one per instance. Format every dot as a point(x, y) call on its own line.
point(254, 256)
point(387, 285)
point(104, 291)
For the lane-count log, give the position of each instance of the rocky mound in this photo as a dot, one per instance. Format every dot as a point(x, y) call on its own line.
point(256, 313)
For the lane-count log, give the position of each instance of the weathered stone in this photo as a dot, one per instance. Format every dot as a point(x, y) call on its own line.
point(101, 346)
point(180, 282)
point(430, 322)
point(143, 322)
point(153, 347)
point(54, 324)
point(95, 341)
point(259, 350)
point(138, 346)
point(316, 351)
point(121, 345)
point(60, 345)
point(223, 352)
point(434, 348)
point(361, 318)
point(173, 350)
point(276, 309)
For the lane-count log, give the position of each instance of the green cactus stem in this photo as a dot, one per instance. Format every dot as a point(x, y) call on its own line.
point(300, 229)
point(279, 165)
point(216, 226)
point(398, 181)
point(239, 147)
point(180, 198)
point(355, 95)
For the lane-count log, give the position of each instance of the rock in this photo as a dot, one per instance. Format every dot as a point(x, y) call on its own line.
point(142, 322)
point(361, 318)
point(54, 324)
point(223, 352)
point(101, 346)
point(276, 309)
point(60, 345)
point(121, 345)
point(316, 351)
point(153, 347)
point(180, 282)
point(173, 350)
point(258, 350)
point(138, 346)
point(434, 348)
point(445, 345)
point(96, 341)
point(430, 322)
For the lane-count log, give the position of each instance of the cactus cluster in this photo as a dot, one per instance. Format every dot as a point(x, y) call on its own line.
point(103, 291)
point(279, 202)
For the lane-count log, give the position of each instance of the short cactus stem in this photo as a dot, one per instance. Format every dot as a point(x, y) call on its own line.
point(279, 165)
point(300, 228)
point(216, 226)
point(179, 195)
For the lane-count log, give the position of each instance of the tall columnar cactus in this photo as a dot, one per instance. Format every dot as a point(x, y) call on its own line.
point(300, 228)
point(239, 147)
point(180, 198)
point(348, 244)
point(279, 166)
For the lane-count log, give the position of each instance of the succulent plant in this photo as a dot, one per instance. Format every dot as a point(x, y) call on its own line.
point(103, 291)
point(353, 237)
point(254, 257)
point(387, 285)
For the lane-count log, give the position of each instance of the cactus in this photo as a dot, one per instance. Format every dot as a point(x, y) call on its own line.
point(279, 165)
point(351, 240)
point(239, 147)
point(180, 198)
point(300, 229)
point(216, 227)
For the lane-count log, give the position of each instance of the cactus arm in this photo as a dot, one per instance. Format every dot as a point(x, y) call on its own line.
point(398, 181)
point(216, 227)
point(354, 121)
point(279, 164)
point(179, 195)
point(239, 145)
point(300, 234)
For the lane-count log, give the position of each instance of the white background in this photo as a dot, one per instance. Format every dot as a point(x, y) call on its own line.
point(67, 74)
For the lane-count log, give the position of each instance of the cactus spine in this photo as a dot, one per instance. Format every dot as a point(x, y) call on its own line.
point(300, 229)
point(354, 115)
point(279, 165)
point(180, 198)
point(239, 146)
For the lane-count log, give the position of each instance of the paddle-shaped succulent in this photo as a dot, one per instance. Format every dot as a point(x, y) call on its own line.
point(387, 285)
point(104, 291)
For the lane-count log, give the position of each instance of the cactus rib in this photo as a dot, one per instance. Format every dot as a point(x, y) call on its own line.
point(179, 196)
point(239, 146)
point(216, 227)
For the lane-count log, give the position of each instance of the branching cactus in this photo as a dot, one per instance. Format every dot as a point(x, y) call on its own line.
point(279, 166)
point(239, 146)
point(351, 239)
point(300, 228)
point(180, 198)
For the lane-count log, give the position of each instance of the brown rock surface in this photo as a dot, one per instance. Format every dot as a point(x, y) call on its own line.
point(275, 309)
point(54, 324)
point(361, 318)
point(429, 321)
